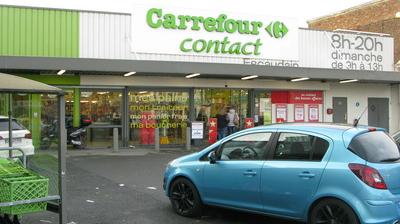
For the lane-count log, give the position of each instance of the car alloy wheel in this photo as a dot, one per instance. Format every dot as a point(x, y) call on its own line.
point(185, 198)
point(332, 211)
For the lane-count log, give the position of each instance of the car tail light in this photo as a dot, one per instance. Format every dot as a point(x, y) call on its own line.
point(87, 121)
point(29, 136)
point(368, 175)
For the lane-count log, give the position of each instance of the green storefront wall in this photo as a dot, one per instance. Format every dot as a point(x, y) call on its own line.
point(38, 32)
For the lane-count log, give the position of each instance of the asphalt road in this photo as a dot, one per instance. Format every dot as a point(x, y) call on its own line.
point(128, 190)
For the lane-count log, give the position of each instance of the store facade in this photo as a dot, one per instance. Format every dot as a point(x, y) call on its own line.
point(96, 50)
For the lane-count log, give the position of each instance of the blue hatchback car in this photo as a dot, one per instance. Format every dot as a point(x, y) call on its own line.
point(315, 173)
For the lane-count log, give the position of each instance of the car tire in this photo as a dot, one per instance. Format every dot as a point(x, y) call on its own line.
point(185, 198)
point(332, 211)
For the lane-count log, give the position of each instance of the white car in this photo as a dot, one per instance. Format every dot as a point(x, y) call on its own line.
point(22, 138)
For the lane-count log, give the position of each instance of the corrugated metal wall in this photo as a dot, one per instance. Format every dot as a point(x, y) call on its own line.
point(312, 46)
point(38, 32)
point(105, 35)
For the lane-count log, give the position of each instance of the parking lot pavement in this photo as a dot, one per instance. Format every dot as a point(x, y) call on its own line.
point(128, 190)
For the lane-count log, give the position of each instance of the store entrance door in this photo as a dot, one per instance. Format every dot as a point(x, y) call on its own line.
point(378, 112)
point(209, 102)
point(340, 110)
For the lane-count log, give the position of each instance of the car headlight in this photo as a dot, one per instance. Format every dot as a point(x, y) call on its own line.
point(169, 164)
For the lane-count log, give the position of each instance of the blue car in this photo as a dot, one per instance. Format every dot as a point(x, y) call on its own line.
point(314, 173)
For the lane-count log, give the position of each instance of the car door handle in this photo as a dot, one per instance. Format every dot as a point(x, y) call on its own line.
point(306, 174)
point(249, 173)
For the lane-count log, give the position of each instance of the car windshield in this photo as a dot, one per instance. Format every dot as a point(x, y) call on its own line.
point(15, 125)
point(376, 146)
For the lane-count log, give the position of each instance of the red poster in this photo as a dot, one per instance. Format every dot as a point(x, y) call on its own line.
point(212, 130)
point(281, 113)
point(305, 97)
point(248, 122)
point(299, 113)
point(313, 113)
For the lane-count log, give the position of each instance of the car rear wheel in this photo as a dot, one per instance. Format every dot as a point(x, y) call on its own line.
point(333, 211)
point(185, 198)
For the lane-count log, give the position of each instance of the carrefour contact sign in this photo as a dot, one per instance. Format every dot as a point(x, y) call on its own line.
point(176, 31)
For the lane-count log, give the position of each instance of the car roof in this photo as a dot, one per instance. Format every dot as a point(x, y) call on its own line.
point(345, 132)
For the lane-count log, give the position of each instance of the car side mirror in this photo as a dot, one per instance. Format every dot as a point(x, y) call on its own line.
point(212, 157)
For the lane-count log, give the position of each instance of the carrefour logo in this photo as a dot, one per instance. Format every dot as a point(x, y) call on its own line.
point(156, 19)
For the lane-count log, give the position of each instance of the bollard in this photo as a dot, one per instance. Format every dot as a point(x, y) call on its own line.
point(115, 140)
point(188, 138)
point(157, 139)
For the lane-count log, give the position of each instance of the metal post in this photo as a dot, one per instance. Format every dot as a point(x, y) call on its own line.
point(61, 160)
point(188, 138)
point(10, 134)
point(115, 140)
point(157, 139)
point(125, 118)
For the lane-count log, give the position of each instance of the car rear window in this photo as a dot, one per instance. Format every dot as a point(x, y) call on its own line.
point(4, 125)
point(375, 147)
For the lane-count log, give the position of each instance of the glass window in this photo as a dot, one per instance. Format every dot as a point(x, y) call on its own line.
point(30, 113)
point(167, 111)
point(102, 107)
point(246, 147)
point(375, 147)
point(293, 146)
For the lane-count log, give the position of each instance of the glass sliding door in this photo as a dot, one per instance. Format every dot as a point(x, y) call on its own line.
point(104, 108)
point(208, 102)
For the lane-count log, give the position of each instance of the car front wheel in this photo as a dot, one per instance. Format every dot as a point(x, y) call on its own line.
point(333, 211)
point(185, 198)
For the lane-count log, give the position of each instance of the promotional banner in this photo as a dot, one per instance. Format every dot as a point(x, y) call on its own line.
point(313, 113)
point(212, 130)
point(299, 113)
point(248, 122)
point(281, 113)
point(172, 30)
point(305, 97)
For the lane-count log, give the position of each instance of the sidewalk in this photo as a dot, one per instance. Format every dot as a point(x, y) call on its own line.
point(126, 151)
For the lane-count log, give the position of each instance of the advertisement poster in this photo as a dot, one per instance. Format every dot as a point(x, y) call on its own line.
point(248, 122)
point(299, 113)
point(313, 113)
point(197, 130)
point(212, 131)
point(281, 113)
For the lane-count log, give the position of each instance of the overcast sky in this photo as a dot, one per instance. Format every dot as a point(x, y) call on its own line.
point(302, 9)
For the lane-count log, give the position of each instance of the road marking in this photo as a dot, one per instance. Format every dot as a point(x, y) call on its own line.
point(152, 188)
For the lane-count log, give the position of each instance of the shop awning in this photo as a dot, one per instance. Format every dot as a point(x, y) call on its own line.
point(175, 68)
point(16, 84)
